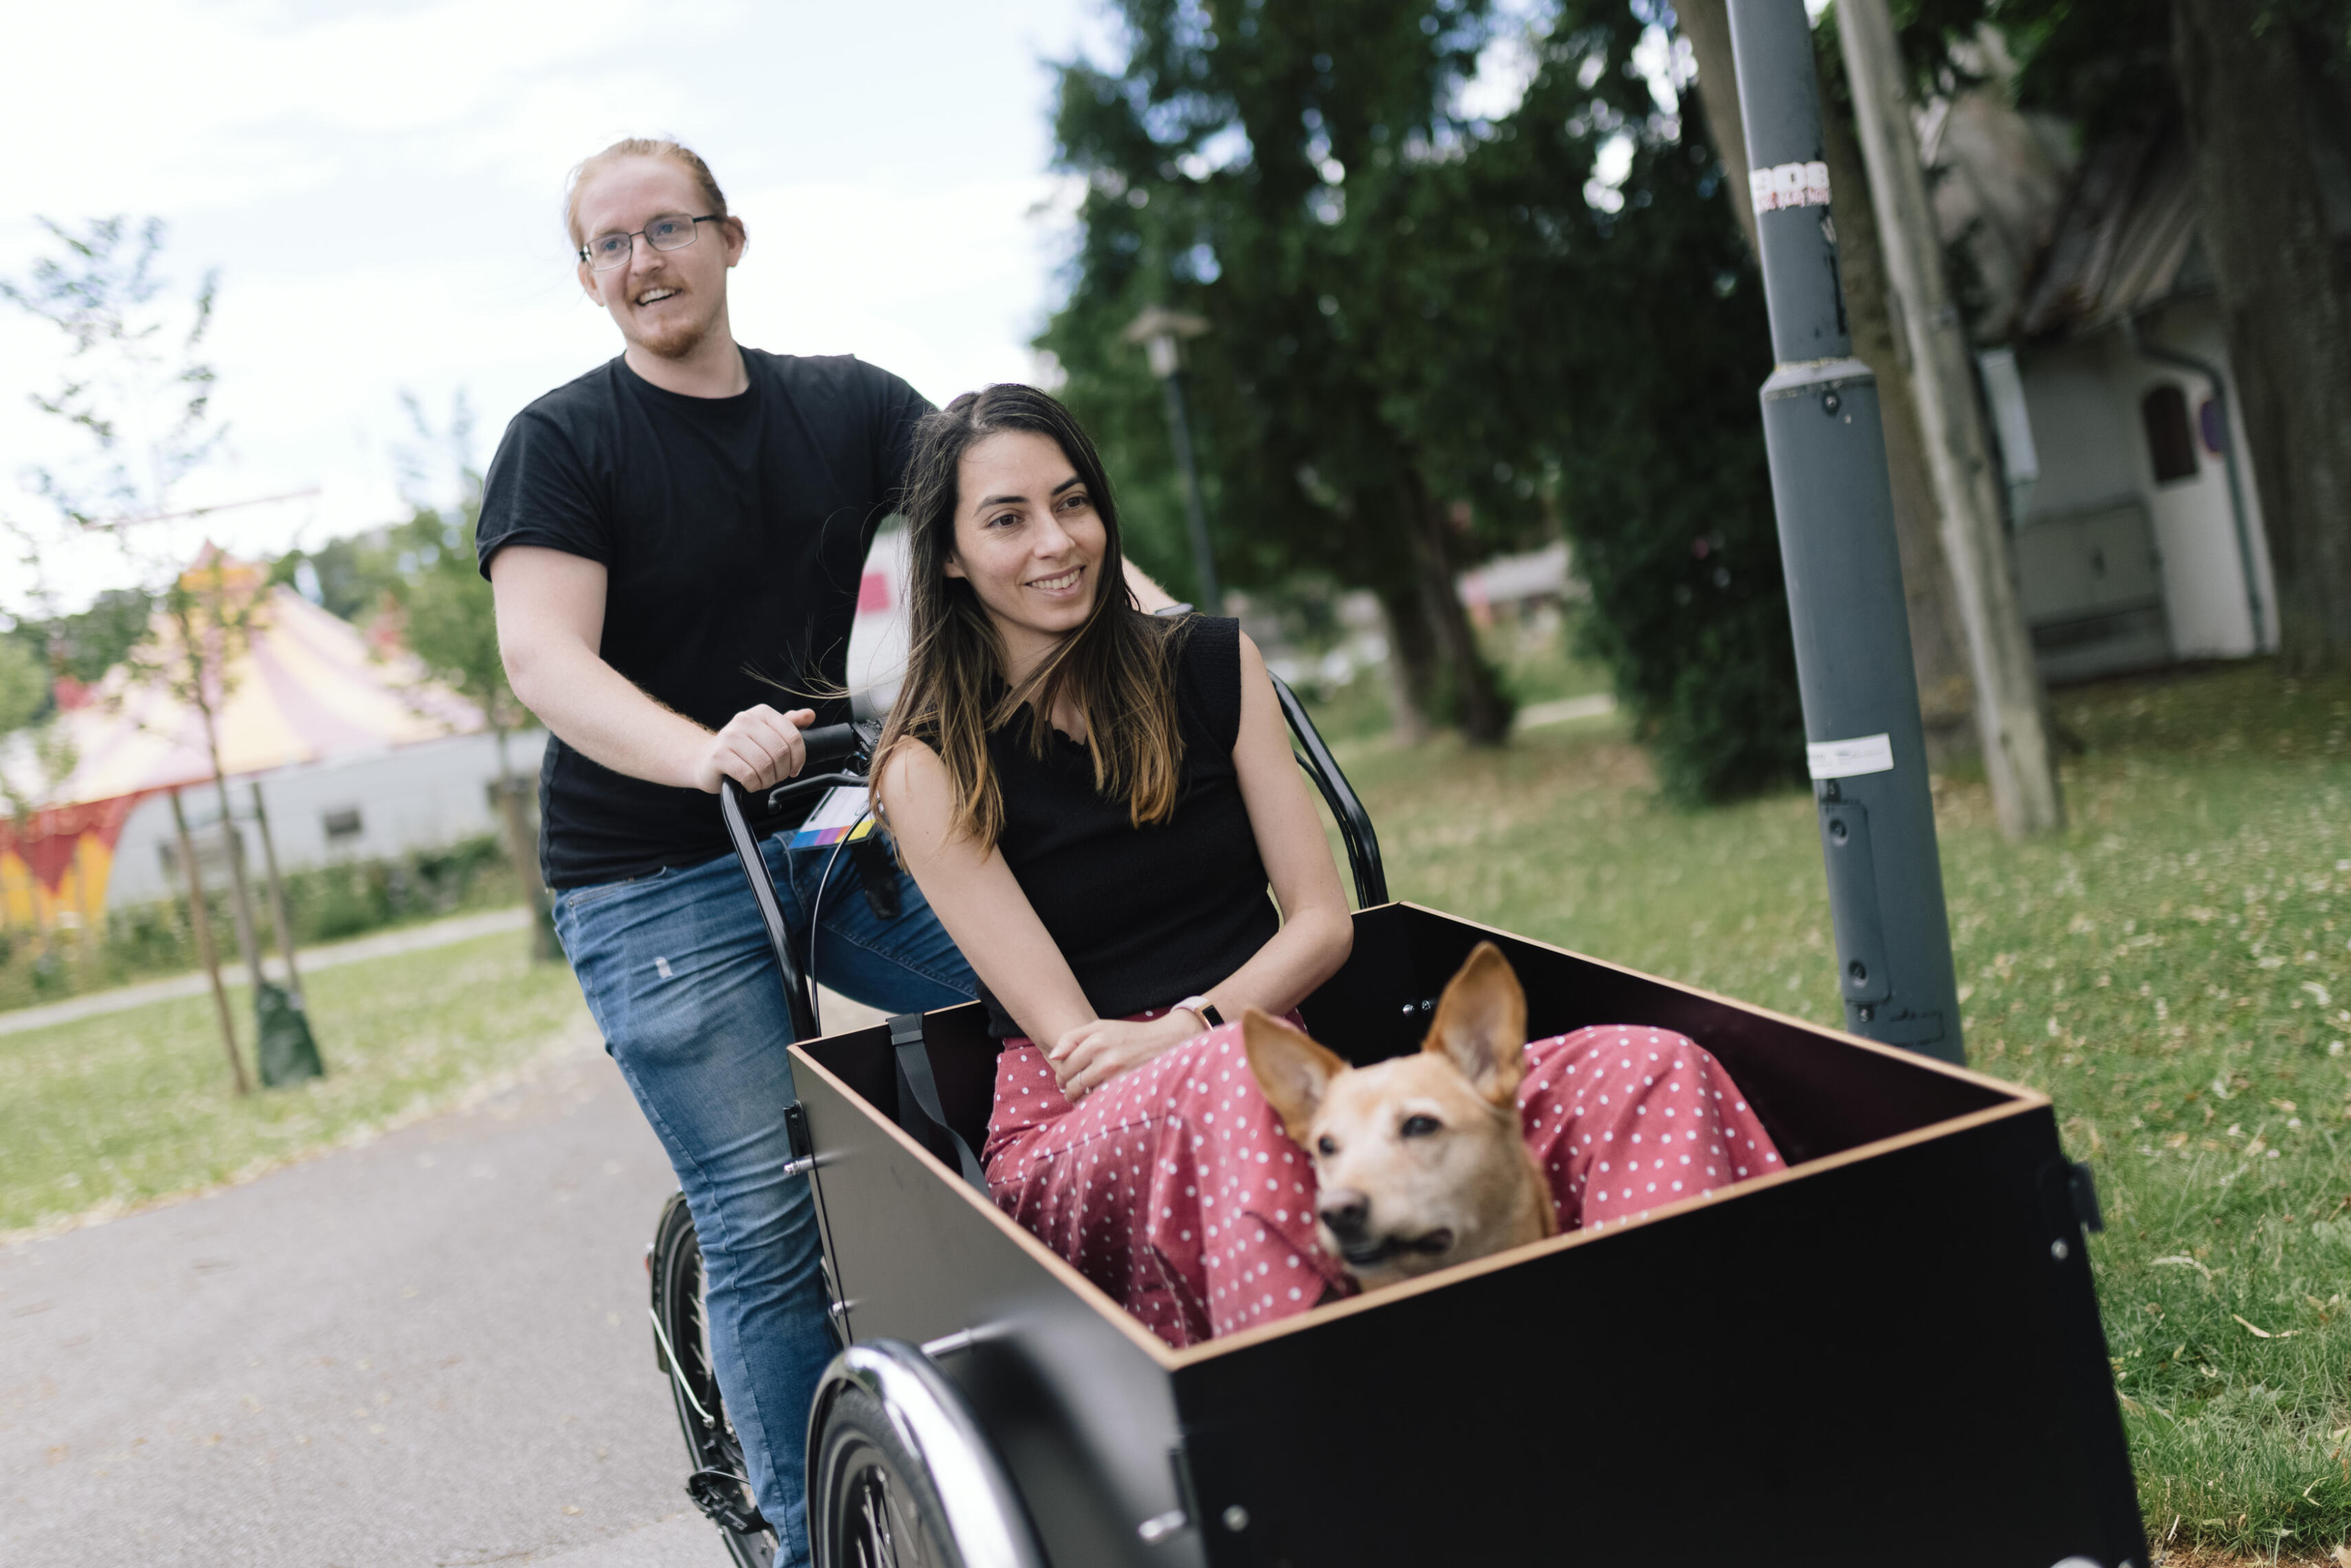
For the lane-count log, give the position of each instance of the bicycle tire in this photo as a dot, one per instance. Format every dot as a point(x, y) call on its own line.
point(876, 1505)
point(682, 1351)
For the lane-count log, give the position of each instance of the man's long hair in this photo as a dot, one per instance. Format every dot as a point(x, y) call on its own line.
point(1118, 667)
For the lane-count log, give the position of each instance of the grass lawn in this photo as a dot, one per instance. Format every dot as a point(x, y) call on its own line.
point(2172, 971)
point(110, 1112)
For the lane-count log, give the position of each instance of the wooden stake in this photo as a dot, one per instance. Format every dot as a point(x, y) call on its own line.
point(231, 846)
point(2010, 704)
point(200, 919)
point(87, 933)
point(279, 923)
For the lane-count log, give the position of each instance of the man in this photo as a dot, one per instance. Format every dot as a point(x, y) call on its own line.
point(674, 541)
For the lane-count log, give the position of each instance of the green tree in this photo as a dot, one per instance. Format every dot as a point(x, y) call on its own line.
point(24, 685)
point(1248, 164)
point(136, 383)
point(1414, 307)
point(444, 613)
point(137, 391)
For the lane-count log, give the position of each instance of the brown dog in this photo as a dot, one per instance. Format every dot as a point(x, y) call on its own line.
point(1421, 1160)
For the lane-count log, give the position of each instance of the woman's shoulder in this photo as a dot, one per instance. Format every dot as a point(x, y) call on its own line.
point(912, 760)
point(1211, 648)
point(1209, 680)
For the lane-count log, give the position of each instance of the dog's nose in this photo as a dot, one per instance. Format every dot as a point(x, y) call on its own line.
point(1346, 1211)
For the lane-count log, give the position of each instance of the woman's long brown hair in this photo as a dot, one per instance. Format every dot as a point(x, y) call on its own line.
point(1117, 667)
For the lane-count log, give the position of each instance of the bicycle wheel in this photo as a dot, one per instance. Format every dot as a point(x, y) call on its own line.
point(902, 1473)
point(718, 1483)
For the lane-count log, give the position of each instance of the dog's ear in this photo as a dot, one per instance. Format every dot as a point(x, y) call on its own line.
point(1482, 1024)
point(1290, 1069)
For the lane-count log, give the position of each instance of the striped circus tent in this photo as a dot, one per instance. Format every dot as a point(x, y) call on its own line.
point(304, 686)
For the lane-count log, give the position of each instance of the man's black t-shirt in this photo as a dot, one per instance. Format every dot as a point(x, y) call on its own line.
point(733, 532)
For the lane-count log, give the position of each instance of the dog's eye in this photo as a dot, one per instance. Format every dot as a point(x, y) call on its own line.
point(1420, 1127)
point(1326, 1144)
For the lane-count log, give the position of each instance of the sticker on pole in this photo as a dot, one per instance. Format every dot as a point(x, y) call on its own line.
point(1788, 185)
point(1844, 758)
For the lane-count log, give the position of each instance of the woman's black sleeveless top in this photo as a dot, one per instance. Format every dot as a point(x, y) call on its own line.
point(1145, 915)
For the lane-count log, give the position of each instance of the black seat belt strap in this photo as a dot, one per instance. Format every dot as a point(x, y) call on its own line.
point(920, 1112)
point(877, 872)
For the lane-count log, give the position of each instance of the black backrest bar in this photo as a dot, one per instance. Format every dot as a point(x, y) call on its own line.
point(771, 913)
point(1346, 809)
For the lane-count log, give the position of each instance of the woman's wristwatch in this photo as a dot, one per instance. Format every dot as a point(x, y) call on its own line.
point(1205, 1010)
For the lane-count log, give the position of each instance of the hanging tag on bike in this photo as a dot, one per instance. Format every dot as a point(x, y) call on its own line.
point(844, 812)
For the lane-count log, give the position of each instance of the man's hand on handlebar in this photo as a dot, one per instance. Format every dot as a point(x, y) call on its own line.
point(759, 749)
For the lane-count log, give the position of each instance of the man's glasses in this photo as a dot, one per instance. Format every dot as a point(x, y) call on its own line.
point(674, 232)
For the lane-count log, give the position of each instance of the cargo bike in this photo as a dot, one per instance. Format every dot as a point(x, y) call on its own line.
point(1889, 1351)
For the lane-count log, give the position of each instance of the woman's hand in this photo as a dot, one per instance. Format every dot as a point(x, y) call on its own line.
point(1099, 1050)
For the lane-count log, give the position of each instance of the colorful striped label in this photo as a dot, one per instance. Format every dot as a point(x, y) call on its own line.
point(844, 813)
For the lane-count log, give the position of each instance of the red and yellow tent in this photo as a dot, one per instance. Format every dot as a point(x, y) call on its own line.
point(300, 686)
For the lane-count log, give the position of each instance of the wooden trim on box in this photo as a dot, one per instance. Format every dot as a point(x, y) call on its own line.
point(1054, 1263)
point(1908, 1057)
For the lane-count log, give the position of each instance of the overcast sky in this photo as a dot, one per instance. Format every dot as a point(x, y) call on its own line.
point(379, 186)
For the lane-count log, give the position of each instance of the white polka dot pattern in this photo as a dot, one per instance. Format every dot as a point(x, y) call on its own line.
point(1174, 1188)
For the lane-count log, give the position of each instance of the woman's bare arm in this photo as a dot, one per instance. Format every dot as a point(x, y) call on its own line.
point(550, 610)
point(1316, 934)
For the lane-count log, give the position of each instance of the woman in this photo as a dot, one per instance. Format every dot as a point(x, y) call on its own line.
point(1094, 801)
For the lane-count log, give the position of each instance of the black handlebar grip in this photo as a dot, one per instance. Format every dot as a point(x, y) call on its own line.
point(829, 745)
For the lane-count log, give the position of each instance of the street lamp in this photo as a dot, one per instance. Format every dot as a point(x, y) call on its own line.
point(1161, 332)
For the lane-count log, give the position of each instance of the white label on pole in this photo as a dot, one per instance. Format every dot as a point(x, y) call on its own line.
point(1844, 758)
point(1788, 185)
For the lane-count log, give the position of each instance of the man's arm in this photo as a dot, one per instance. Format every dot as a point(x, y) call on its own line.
point(551, 608)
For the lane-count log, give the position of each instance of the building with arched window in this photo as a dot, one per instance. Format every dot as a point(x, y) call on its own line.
point(2137, 523)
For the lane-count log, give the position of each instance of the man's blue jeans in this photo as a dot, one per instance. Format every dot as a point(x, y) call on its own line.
point(678, 974)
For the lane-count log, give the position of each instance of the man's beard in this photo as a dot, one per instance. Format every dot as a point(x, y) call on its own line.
point(677, 336)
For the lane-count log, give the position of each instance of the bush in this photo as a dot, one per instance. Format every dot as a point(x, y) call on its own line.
point(323, 903)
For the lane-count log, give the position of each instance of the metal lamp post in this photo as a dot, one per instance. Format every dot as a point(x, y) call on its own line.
point(1835, 505)
point(1161, 332)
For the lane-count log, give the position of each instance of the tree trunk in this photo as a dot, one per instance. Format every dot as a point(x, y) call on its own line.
point(279, 922)
point(1938, 643)
point(1412, 661)
point(522, 848)
point(1479, 704)
point(200, 921)
point(1706, 25)
point(2257, 104)
point(2010, 702)
point(233, 846)
point(1946, 694)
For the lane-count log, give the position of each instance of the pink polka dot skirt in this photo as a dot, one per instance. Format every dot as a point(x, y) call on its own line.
point(1174, 1188)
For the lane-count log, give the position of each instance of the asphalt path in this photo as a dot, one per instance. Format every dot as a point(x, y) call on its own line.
point(432, 1350)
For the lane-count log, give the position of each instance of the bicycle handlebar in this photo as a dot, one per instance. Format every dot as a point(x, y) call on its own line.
point(831, 744)
point(837, 754)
